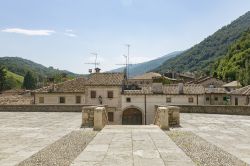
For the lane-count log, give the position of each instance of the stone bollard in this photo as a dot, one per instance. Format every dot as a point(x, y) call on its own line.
point(163, 118)
point(98, 118)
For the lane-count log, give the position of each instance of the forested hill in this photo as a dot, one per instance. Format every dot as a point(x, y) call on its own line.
point(236, 63)
point(21, 66)
point(203, 55)
point(144, 67)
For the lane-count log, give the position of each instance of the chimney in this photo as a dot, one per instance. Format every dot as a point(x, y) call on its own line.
point(180, 88)
point(97, 70)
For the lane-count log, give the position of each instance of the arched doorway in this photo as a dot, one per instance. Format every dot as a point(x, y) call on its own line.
point(132, 116)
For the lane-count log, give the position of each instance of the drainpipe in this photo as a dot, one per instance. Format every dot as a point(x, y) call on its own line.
point(145, 105)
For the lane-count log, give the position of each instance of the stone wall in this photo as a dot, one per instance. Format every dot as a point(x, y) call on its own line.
point(41, 108)
point(231, 110)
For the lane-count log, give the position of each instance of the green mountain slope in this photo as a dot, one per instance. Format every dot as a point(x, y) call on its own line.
point(20, 66)
point(203, 55)
point(236, 63)
point(141, 68)
point(13, 81)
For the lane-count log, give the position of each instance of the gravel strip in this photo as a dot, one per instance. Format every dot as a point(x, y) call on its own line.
point(63, 151)
point(203, 152)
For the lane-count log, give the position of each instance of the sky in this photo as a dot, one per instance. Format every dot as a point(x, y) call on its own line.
point(65, 33)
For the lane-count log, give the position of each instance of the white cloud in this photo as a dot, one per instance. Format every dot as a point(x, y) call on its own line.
point(70, 34)
point(29, 32)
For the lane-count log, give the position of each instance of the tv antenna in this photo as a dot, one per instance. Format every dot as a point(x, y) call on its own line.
point(128, 45)
point(94, 63)
point(125, 64)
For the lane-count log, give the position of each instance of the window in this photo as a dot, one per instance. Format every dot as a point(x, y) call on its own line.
point(128, 99)
point(216, 98)
point(93, 94)
point(61, 100)
point(110, 94)
point(41, 100)
point(111, 116)
point(190, 100)
point(168, 100)
point(207, 98)
point(78, 99)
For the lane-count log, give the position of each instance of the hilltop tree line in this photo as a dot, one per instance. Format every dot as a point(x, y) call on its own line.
point(30, 80)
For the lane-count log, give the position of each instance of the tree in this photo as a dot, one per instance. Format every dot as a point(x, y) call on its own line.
point(29, 81)
point(2, 77)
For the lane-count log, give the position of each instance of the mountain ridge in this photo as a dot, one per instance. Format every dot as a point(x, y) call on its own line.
point(201, 56)
point(141, 68)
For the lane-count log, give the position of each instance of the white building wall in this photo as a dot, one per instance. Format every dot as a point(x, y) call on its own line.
point(103, 92)
point(138, 101)
point(53, 98)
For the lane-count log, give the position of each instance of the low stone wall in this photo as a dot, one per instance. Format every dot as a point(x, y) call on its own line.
point(41, 108)
point(230, 110)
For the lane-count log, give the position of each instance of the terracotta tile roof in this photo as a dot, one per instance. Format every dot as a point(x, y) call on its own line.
point(242, 91)
point(75, 85)
point(188, 89)
point(216, 90)
point(194, 89)
point(105, 79)
point(144, 90)
point(147, 76)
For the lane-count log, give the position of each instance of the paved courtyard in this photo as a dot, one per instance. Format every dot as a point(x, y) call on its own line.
point(229, 132)
point(24, 133)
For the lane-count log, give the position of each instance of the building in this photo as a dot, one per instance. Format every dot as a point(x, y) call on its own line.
point(70, 92)
point(240, 96)
point(128, 105)
point(138, 106)
point(217, 96)
point(105, 89)
point(144, 79)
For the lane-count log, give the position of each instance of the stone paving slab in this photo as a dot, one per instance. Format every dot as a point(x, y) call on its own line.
point(23, 134)
point(231, 133)
point(132, 146)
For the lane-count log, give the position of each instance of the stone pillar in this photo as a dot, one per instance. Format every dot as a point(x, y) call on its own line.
point(88, 116)
point(174, 115)
point(163, 118)
point(98, 118)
